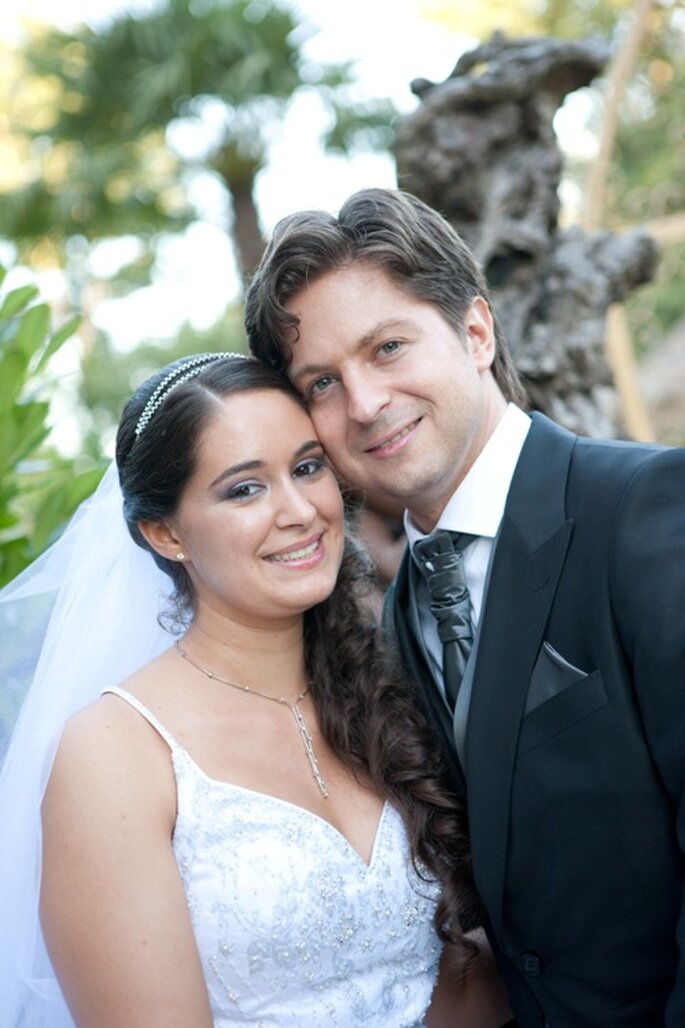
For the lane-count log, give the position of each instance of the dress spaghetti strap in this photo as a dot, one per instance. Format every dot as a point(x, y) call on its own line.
point(147, 714)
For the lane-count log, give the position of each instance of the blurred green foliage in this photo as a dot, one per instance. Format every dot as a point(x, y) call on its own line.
point(648, 176)
point(39, 489)
point(110, 376)
point(111, 104)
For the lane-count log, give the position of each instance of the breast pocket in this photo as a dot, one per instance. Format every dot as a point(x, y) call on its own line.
point(559, 696)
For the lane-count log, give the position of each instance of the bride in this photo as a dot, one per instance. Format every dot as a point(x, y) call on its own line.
point(251, 828)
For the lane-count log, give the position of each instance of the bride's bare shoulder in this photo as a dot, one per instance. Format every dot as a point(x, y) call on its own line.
point(110, 732)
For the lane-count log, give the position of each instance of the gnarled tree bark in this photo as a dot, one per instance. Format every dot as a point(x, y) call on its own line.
point(481, 148)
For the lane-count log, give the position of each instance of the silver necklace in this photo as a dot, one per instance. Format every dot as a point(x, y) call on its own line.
point(294, 709)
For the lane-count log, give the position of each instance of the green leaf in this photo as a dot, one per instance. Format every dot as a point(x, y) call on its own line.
point(12, 377)
point(39, 490)
point(59, 503)
point(50, 514)
point(29, 432)
point(7, 519)
point(80, 487)
point(17, 300)
point(56, 340)
point(33, 328)
point(14, 556)
point(8, 437)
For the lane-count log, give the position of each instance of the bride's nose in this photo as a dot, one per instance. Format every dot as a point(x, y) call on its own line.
point(293, 507)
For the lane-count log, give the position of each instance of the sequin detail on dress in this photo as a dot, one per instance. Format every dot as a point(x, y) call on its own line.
point(293, 927)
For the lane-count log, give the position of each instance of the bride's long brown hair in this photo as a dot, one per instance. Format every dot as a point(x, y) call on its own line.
point(370, 717)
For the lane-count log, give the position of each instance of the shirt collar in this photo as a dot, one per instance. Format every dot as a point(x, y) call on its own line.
point(478, 504)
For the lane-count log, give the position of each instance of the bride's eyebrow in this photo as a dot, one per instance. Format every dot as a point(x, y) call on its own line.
point(252, 465)
point(312, 444)
point(235, 469)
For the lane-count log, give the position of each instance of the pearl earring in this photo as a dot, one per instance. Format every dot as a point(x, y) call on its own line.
point(180, 555)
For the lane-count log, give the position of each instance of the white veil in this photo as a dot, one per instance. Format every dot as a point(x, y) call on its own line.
point(82, 617)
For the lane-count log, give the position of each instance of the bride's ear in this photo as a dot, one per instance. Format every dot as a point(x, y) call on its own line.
point(162, 538)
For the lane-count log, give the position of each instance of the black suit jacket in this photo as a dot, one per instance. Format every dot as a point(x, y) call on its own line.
point(575, 740)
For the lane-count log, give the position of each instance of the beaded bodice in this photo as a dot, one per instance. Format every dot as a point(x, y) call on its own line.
point(292, 926)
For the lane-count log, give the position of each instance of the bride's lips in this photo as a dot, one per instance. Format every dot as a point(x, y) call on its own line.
point(394, 442)
point(302, 554)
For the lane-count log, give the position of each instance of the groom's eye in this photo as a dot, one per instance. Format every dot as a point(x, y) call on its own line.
point(320, 385)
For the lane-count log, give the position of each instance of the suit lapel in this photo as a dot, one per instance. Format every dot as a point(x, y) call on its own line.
point(527, 563)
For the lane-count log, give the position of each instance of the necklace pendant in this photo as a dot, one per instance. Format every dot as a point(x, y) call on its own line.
point(309, 750)
point(294, 708)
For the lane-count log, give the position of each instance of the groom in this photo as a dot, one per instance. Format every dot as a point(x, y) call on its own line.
point(545, 627)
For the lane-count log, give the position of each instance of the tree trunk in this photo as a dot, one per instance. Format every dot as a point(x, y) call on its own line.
point(238, 172)
point(247, 235)
point(617, 80)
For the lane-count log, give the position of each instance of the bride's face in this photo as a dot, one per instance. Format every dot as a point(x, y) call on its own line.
point(261, 520)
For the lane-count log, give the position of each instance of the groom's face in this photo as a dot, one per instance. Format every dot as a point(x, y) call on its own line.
point(400, 400)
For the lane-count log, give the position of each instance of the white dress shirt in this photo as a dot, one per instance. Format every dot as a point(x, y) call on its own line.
point(476, 507)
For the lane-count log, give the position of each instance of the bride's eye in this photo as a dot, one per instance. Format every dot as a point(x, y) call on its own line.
point(307, 468)
point(243, 491)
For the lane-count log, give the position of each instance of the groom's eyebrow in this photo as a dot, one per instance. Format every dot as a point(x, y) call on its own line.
point(252, 465)
point(379, 329)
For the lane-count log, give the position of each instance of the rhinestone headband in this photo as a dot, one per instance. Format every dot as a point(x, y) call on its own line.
point(189, 369)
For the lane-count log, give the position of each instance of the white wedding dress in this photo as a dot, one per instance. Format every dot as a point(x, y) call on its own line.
point(292, 926)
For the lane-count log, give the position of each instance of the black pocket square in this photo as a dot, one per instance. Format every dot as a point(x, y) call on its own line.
point(551, 675)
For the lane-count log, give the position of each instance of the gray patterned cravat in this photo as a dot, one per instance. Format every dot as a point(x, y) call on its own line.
point(441, 559)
